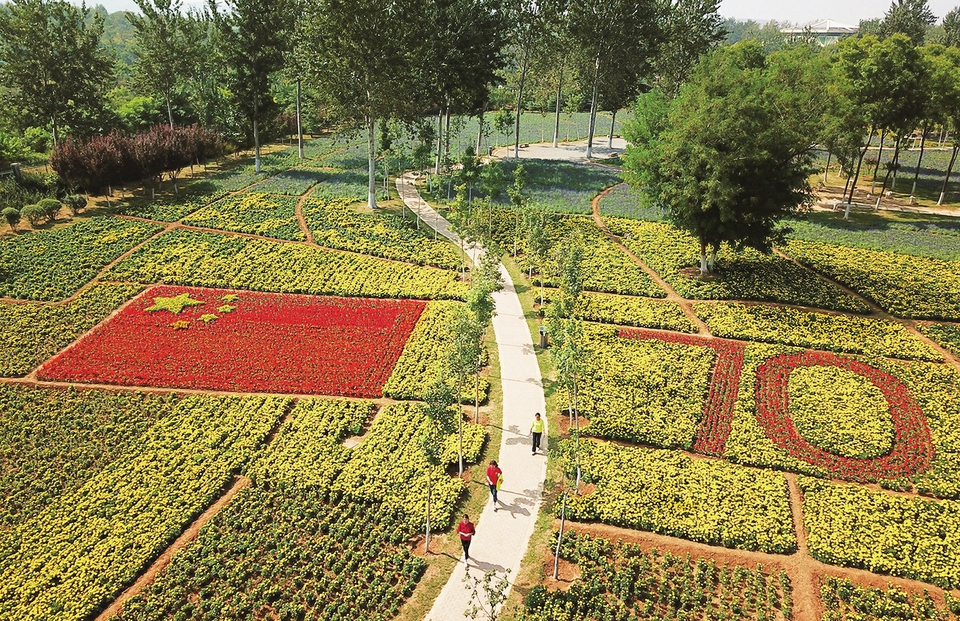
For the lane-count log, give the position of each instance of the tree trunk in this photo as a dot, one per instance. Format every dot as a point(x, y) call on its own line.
point(556, 122)
point(563, 519)
point(876, 167)
point(916, 173)
point(56, 134)
point(169, 110)
point(436, 170)
point(256, 147)
point(613, 122)
point(946, 178)
point(593, 108)
point(704, 268)
point(890, 169)
point(480, 130)
point(459, 428)
point(426, 539)
point(827, 168)
point(371, 163)
point(446, 138)
point(299, 124)
point(523, 79)
point(856, 175)
point(476, 390)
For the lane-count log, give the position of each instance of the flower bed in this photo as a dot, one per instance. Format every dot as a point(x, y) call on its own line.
point(666, 492)
point(746, 275)
point(213, 260)
point(52, 265)
point(646, 387)
point(904, 285)
point(627, 310)
point(846, 601)
point(34, 332)
point(252, 212)
point(624, 577)
point(82, 550)
point(714, 423)
point(883, 533)
point(244, 341)
point(945, 334)
point(912, 450)
point(789, 326)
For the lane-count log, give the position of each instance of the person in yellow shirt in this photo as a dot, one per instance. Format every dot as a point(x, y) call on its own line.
point(537, 430)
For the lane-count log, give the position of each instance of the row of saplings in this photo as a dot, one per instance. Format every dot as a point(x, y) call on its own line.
point(46, 210)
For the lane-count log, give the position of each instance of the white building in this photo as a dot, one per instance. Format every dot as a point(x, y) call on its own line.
point(825, 31)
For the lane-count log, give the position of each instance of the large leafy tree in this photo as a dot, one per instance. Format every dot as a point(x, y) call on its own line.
point(731, 155)
point(163, 51)
point(53, 70)
point(907, 17)
point(692, 28)
point(363, 56)
point(951, 28)
point(617, 41)
point(254, 36)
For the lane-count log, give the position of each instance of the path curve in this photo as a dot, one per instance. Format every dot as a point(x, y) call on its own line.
point(503, 536)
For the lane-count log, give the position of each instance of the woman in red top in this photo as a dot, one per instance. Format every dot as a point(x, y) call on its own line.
point(466, 531)
point(493, 480)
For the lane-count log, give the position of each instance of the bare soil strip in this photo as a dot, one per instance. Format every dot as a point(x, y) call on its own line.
point(301, 219)
point(150, 575)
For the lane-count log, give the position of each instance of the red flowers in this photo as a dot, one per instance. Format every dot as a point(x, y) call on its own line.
point(714, 426)
point(244, 341)
point(912, 449)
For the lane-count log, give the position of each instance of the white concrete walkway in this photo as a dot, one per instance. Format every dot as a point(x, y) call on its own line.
point(502, 537)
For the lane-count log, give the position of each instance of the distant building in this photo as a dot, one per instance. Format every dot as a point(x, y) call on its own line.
point(825, 32)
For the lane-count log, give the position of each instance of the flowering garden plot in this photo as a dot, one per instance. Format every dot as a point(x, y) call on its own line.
point(243, 341)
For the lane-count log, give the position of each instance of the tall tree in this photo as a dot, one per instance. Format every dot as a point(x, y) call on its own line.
point(907, 17)
point(254, 35)
point(617, 40)
point(53, 69)
point(362, 56)
point(163, 52)
point(735, 152)
point(692, 28)
point(951, 28)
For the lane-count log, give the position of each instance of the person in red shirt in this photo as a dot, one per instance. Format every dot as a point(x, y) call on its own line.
point(466, 531)
point(494, 477)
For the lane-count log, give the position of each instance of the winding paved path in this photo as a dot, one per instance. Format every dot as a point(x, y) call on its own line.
point(502, 536)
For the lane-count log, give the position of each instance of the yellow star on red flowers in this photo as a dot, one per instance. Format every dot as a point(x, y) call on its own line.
point(175, 304)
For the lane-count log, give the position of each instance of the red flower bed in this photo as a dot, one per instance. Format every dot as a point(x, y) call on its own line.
point(912, 449)
point(714, 428)
point(244, 341)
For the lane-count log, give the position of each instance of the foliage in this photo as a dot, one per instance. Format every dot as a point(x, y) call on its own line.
point(904, 285)
point(51, 265)
point(32, 333)
point(734, 154)
point(789, 326)
point(623, 201)
point(304, 344)
point(346, 184)
point(251, 212)
point(54, 441)
point(670, 493)
point(883, 533)
point(422, 361)
point(389, 468)
point(212, 260)
point(82, 550)
point(745, 275)
point(52, 65)
point(33, 214)
point(563, 187)
point(648, 391)
point(623, 578)
point(335, 225)
point(11, 216)
point(845, 600)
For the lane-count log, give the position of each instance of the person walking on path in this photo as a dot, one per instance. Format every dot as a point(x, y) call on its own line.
point(466, 531)
point(537, 430)
point(494, 480)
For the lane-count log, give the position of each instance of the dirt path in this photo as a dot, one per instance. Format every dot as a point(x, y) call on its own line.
point(301, 219)
point(672, 294)
point(150, 575)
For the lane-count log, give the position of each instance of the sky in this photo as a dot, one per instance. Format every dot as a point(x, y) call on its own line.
point(848, 12)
